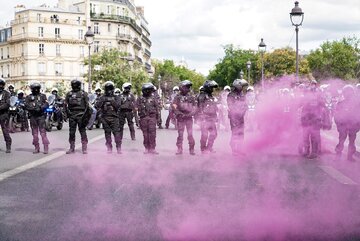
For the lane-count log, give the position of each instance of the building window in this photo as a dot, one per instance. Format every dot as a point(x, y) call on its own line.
point(96, 28)
point(41, 49)
point(108, 9)
point(109, 45)
point(41, 68)
point(23, 30)
point(81, 70)
point(109, 27)
point(96, 46)
point(8, 52)
point(118, 11)
point(58, 69)
point(22, 50)
point(54, 18)
point(8, 71)
point(82, 51)
point(81, 34)
point(93, 8)
point(79, 20)
point(2, 36)
point(38, 17)
point(57, 32)
point(58, 51)
point(2, 53)
point(41, 32)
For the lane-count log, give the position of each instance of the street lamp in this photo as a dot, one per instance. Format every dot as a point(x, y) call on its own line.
point(159, 89)
point(248, 66)
point(89, 38)
point(297, 17)
point(241, 74)
point(262, 50)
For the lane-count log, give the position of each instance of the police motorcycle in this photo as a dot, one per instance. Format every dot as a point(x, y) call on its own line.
point(52, 115)
point(94, 120)
point(13, 114)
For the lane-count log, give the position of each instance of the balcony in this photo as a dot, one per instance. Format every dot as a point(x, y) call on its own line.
point(137, 43)
point(146, 40)
point(117, 18)
point(148, 53)
point(139, 59)
point(123, 37)
point(147, 66)
point(47, 20)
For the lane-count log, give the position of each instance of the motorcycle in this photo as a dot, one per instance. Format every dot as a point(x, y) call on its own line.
point(94, 120)
point(54, 115)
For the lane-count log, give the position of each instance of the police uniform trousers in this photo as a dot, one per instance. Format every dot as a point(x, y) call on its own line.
point(311, 139)
point(208, 134)
point(76, 121)
point(37, 124)
point(169, 118)
point(148, 128)
point(237, 124)
point(345, 131)
point(188, 123)
point(111, 126)
point(128, 116)
point(4, 122)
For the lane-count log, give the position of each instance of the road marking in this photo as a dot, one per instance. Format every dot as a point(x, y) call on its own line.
point(337, 175)
point(41, 161)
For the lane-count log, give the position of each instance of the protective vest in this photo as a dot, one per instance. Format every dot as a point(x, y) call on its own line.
point(147, 107)
point(127, 101)
point(107, 108)
point(76, 101)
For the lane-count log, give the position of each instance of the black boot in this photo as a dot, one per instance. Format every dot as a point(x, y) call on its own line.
point(118, 150)
point(37, 149)
point(192, 151)
point(8, 148)
point(71, 149)
point(179, 151)
point(84, 148)
point(46, 149)
point(109, 149)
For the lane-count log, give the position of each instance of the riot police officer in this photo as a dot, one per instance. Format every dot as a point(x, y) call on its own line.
point(98, 92)
point(236, 101)
point(22, 112)
point(127, 109)
point(184, 107)
point(147, 107)
point(59, 105)
point(117, 91)
point(79, 112)
point(159, 104)
point(171, 111)
point(4, 114)
point(207, 106)
point(347, 122)
point(108, 108)
point(35, 104)
point(11, 89)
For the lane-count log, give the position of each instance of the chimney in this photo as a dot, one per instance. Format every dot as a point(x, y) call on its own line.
point(19, 8)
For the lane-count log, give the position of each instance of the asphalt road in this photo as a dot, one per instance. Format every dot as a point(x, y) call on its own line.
point(133, 196)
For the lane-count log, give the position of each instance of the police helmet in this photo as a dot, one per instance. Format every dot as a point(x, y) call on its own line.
point(227, 88)
point(147, 88)
point(54, 90)
point(201, 88)
point(358, 86)
point(126, 85)
point(176, 88)
point(187, 83)
point(155, 89)
point(250, 88)
point(237, 84)
point(11, 86)
point(109, 85)
point(35, 87)
point(117, 91)
point(76, 84)
point(19, 92)
point(209, 84)
point(2, 82)
point(348, 91)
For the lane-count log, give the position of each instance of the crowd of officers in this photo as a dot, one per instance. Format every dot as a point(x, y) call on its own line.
point(114, 108)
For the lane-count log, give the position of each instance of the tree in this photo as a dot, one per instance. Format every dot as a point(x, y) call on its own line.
point(229, 67)
point(282, 62)
point(338, 59)
point(171, 75)
point(111, 65)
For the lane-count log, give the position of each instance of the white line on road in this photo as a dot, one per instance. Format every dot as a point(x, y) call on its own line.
point(39, 162)
point(337, 175)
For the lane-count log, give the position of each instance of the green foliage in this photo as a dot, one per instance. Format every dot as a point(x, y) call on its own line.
point(282, 62)
point(171, 75)
point(229, 67)
point(111, 65)
point(336, 59)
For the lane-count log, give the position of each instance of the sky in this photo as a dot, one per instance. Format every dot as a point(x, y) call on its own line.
point(197, 30)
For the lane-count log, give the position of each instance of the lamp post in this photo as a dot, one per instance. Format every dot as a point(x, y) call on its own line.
point(262, 50)
point(89, 37)
point(241, 74)
point(159, 89)
point(297, 17)
point(248, 67)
